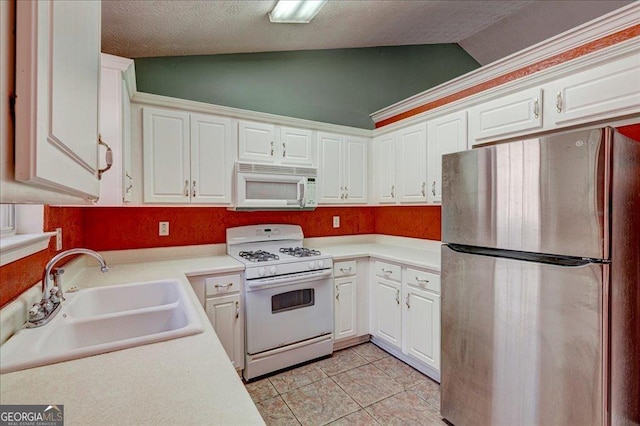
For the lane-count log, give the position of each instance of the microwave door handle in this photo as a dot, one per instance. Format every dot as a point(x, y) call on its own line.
point(302, 200)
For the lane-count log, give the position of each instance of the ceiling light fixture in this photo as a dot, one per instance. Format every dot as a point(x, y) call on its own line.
point(295, 11)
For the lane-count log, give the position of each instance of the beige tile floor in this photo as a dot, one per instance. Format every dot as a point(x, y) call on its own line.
point(362, 385)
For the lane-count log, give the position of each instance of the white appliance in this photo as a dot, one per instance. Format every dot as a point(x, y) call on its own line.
point(272, 187)
point(288, 296)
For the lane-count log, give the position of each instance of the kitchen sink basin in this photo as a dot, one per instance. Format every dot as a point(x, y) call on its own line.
point(104, 319)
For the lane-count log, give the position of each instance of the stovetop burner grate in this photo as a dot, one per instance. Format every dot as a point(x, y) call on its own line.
point(258, 256)
point(300, 251)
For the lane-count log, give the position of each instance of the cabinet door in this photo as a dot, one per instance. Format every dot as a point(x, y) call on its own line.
point(345, 307)
point(226, 317)
point(57, 84)
point(423, 326)
point(355, 170)
point(508, 115)
point(385, 161)
point(166, 156)
point(212, 157)
point(257, 142)
point(605, 91)
point(444, 135)
point(387, 312)
point(411, 169)
point(297, 147)
point(330, 187)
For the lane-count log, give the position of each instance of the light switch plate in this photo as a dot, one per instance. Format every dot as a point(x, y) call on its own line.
point(163, 229)
point(336, 221)
point(58, 239)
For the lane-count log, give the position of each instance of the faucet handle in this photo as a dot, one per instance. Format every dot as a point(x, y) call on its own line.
point(56, 272)
point(35, 312)
point(54, 296)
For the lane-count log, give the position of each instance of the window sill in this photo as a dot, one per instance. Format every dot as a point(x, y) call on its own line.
point(18, 246)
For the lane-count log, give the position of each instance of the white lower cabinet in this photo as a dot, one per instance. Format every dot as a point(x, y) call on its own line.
point(345, 307)
point(405, 314)
point(225, 316)
point(421, 338)
point(221, 297)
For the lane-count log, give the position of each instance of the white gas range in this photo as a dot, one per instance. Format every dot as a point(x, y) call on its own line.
point(288, 294)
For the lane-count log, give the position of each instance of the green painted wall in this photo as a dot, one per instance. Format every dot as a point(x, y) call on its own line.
point(341, 86)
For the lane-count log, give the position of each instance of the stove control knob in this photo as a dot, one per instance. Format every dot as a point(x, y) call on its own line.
point(312, 265)
point(272, 270)
point(320, 264)
point(262, 272)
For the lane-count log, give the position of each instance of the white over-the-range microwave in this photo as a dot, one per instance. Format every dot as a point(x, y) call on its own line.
point(274, 187)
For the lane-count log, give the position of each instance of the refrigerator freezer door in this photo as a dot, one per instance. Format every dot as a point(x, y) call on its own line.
point(521, 342)
point(545, 195)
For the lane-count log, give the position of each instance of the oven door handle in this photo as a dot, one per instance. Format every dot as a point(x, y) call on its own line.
point(296, 278)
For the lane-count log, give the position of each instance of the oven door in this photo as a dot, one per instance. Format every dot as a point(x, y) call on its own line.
point(279, 316)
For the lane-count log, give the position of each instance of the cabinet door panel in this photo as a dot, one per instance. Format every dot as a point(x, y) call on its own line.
point(423, 327)
point(444, 135)
point(57, 85)
point(412, 163)
point(297, 146)
point(166, 156)
point(385, 175)
point(507, 115)
point(355, 171)
point(605, 91)
point(226, 318)
point(388, 314)
point(212, 154)
point(330, 170)
point(345, 307)
point(256, 142)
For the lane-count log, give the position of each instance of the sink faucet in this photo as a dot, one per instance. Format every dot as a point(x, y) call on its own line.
point(43, 312)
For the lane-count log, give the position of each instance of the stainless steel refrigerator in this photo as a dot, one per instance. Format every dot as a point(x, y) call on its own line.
point(541, 282)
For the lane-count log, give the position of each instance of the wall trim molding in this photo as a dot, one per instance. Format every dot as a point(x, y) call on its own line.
point(242, 114)
point(607, 25)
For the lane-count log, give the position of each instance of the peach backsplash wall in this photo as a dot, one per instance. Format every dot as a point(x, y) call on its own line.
point(120, 228)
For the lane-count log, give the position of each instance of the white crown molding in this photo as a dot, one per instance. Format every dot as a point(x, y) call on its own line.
point(242, 114)
point(124, 65)
point(603, 26)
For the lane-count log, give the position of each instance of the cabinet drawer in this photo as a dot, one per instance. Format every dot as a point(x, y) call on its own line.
point(344, 269)
point(423, 280)
point(222, 285)
point(388, 271)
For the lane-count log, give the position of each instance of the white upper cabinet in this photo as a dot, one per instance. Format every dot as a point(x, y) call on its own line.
point(384, 148)
point(57, 84)
point(116, 185)
point(604, 91)
point(411, 163)
point(342, 172)
point(297, 147)
point(212, 157)
point(188, 158)
point(508, 115)
point(445, 135)
point(267, 143)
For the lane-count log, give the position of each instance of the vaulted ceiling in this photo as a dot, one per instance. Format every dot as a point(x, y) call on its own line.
point(487, 30)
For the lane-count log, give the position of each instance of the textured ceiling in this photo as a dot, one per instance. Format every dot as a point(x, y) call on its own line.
point(142, 28)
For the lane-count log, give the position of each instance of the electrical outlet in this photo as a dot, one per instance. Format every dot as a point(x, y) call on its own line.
point(163, 229)
point(58, 239)
point(336, 221)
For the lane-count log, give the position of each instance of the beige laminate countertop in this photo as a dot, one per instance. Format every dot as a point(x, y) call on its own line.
point(185, 381)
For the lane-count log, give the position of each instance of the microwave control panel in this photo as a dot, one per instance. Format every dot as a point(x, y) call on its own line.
point(311, 193)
